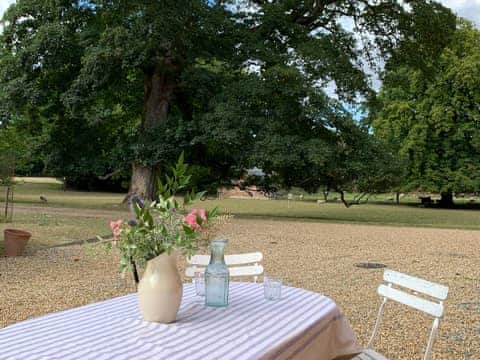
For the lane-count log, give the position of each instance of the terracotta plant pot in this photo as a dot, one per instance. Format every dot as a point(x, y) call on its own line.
point(15, 241)
point(160, 290)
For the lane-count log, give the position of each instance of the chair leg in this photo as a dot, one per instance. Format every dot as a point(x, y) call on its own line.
point(431, 339)
point(377, 324)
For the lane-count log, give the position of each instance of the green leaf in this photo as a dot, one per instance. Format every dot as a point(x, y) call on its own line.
point(137, 209)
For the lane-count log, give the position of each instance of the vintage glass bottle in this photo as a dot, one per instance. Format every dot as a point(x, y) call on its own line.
point(217, 276)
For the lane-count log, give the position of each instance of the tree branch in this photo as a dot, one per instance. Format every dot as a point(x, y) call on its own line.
point(106, 177)
point(342, 197)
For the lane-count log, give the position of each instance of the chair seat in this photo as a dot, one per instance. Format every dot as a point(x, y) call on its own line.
point(369, 354)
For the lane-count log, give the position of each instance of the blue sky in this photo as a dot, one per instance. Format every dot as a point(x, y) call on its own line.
point(4, 4)
point(469, 9)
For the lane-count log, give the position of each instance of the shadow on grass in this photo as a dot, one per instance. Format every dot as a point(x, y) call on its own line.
point(414, 204)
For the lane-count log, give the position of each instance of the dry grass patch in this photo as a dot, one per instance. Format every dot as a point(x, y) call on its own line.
point(55, 228)
point(315, 256)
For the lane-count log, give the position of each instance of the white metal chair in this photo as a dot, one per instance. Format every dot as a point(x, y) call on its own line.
point(238, 265)
point(416, 285)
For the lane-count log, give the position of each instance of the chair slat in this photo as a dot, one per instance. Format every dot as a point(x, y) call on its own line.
point(240, 259)
point(423, 286)
point(402, 297)
point(252, 270)
point(201, 260)
point(234, 259)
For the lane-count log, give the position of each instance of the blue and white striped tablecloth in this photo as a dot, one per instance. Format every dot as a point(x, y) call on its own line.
point(302, 325)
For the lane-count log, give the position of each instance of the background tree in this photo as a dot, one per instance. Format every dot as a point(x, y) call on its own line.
point(433, 119)
point(40, 55)
point(291, 127)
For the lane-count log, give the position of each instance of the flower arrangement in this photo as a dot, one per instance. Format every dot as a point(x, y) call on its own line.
point(161, 226)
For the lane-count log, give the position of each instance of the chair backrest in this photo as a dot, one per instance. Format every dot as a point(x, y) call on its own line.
point(238, 264)
point(432, 305)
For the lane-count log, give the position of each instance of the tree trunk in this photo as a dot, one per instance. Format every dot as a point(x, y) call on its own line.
point(7, 198)
point(158, 93)
point(342, 197)
point(446, 199)
point(397, 196)
point(143, 181)
point(325, 194)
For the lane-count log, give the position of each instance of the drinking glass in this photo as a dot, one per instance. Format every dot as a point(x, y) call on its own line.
point(272, 287)
point(199, 280)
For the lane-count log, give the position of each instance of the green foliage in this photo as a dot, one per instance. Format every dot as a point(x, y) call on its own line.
point(103, 84)
point(40, 56)
point(160, 226)
point(299, 136)
point(433, 121)
point(12, 154)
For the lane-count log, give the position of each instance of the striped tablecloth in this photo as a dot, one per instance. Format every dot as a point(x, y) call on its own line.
point(302, 325)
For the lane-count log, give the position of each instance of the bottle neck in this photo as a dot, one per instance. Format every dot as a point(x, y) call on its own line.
point(217, 254)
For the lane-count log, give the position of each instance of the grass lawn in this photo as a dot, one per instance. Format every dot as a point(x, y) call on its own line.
point(28, 194)
point(55, 229)
point(368, 214)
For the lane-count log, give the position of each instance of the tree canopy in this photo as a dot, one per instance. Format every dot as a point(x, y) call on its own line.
point(111, 88)
point(433, 120)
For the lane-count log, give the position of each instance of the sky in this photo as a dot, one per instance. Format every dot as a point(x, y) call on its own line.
point(469, 9)
point(4, 5)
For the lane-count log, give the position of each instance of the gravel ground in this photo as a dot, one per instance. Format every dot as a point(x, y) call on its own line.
point(315, 256)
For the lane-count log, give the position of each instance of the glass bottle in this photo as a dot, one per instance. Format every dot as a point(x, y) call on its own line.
point(217, 276)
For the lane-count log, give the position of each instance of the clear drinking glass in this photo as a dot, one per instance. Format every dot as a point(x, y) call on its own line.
point(199, 280)
point(272, 287)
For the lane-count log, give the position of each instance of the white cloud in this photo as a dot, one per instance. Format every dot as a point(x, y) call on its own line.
point(469, 9)
point(4, 4)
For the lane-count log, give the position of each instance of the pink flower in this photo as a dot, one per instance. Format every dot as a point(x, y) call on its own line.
point(116, 227)
point(191, 218)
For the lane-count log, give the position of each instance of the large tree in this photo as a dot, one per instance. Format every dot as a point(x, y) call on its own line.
point(299, 136)
point(433, 119)
point(151, 50)
point(293, 128)
point(132, 82)
point(41, 48)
